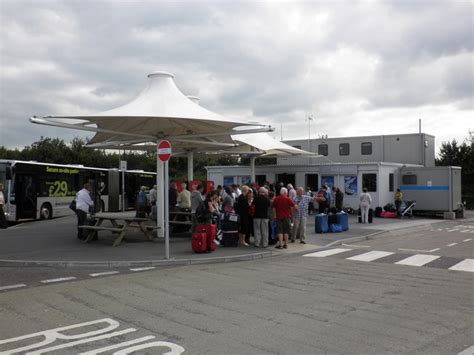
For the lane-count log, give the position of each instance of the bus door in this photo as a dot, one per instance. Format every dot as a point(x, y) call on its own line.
point(25, 196)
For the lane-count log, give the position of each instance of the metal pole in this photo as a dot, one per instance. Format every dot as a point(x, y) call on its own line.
point(123, 190)
point(160, 196)
point(309, 134)
point(166, 209)
point(190, 167)
point(158, 187)
point(252, 169)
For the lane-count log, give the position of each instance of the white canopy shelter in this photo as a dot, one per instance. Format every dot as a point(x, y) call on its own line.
point(162, 111)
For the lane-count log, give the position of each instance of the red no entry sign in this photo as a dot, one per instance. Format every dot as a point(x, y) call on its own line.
point(164, 150)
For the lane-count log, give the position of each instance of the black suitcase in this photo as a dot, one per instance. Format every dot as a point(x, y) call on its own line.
point(228, 226)
point(371, 215)
point(230, 239)
point(332, 219)
point(378, 211)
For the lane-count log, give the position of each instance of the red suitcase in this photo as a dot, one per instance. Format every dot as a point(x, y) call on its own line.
point(199, 242)
point(211, 231)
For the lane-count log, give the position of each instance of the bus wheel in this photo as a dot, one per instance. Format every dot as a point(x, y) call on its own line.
point(46, 211)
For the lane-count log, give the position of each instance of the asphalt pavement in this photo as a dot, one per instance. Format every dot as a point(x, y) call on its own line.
point(54, 243)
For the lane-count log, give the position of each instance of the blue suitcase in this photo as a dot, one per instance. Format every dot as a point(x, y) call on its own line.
point(343, 220)
point(321, 223)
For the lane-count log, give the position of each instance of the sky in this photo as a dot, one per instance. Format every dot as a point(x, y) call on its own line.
point(356, 67)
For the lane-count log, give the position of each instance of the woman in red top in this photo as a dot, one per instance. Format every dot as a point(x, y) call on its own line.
point(282, 212)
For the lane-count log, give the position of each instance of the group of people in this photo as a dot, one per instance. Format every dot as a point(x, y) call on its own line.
point(260, 207)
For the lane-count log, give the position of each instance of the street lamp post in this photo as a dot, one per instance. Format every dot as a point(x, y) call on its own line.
point(310, 118)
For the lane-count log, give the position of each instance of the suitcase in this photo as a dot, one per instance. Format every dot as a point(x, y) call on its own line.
point(371, 216)
point(211, 231)
point(230, 239)
point(378, 211)
point(228, 226)
point(332, 219)
point(199, 242)
point(335, 228)
point(321, 223)
point(343, 220)
point(231, 217)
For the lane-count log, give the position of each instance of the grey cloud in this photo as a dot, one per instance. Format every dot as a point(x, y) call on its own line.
point(275, 61)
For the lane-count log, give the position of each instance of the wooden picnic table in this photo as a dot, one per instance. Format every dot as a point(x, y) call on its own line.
point(121, 224)
point(177, 220)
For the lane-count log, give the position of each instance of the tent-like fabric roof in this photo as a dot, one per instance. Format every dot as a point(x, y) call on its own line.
point(161, 111)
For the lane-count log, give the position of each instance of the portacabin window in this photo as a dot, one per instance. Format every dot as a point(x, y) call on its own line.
point(409, 179)
point(370, 182)
point(366, 148)
point(323, 149)
point(344, 149)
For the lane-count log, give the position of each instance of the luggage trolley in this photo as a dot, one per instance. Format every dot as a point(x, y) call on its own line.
point(407, 208)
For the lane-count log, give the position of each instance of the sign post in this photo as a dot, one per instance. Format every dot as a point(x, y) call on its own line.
point(164, 155)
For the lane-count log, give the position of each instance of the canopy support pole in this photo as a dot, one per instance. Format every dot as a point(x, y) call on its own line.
point(252, 169)
point(160, 203)
point(190, 167)
point(167, 211)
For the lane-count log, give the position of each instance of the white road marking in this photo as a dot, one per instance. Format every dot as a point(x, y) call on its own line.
point(468, 351)
point(58, 280)
point(420, 251)
point(116, 346)
point(143, 268)
point(356, 246)
point(417, 260)
point(175, 349)
point(467, 240)
point(465, 265)
point(452, 244)
point(371, 255)
point(104, 273)
point(82, 341)
point(453, 230)
point(11, 287)
point(324, 253)
point(51, 335)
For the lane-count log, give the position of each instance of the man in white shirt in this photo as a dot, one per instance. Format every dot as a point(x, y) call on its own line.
point(83, 203)
point(184, 198)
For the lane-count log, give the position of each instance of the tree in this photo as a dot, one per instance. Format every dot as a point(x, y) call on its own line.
point(451, 153)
